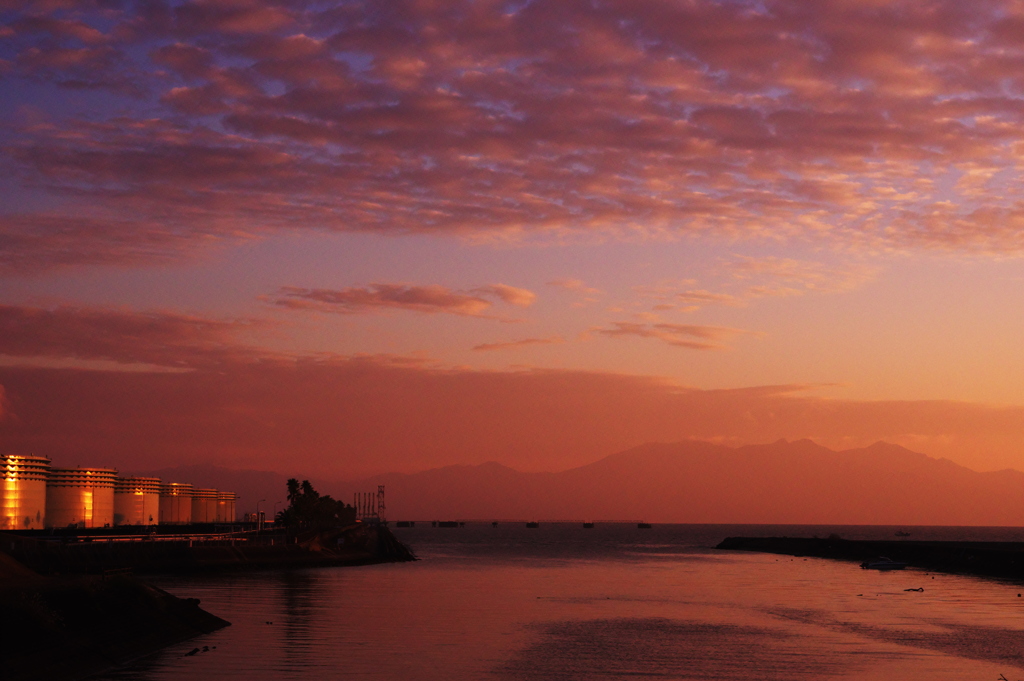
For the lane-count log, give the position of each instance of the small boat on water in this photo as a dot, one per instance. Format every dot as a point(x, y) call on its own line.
point(883, 563)
point(643, 526)
point(588, 526)
point(532, 525)
point(901, 533)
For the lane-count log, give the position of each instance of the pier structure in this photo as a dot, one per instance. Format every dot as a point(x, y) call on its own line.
point(370, 506)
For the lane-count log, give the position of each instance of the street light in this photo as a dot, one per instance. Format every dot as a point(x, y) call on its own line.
point(259, 518)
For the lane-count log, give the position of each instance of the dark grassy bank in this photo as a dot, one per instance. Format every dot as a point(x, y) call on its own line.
point(1004, 560)
point(63, 628)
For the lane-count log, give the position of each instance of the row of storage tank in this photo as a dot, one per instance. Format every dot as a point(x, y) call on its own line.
point(33, 496)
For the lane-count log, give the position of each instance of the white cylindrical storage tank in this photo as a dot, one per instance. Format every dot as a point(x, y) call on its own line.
point(175, 503)
point(23, 492)
point(80, 497)
point(136, 501)
point(226, 507)
point(204, 505)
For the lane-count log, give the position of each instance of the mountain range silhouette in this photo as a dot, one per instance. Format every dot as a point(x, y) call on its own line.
point(796, 482)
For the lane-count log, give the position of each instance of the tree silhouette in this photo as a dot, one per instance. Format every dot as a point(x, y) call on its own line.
point(308, 509)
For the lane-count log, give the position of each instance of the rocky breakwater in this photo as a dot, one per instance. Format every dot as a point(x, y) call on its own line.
point(989, 559)
point(64, 628)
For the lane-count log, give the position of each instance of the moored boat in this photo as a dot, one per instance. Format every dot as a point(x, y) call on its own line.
point(883, 563)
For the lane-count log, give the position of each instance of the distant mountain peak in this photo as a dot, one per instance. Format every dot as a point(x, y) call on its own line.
point(695, 481)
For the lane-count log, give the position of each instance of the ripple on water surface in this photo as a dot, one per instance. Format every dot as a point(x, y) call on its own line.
point(560, 602)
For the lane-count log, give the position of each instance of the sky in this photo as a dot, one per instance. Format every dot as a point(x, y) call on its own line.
point(345, 238)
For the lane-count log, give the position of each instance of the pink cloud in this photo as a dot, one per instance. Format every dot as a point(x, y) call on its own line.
point(383, 296)
point(576, 285)
point(891, 125)
point(231, 16)
point(772, 276)
point(156, 338)
point(519, 297)
point(57, 28)
point(188, 60)
point(679, 335)
point(43, 241)
point(704, 297)
point(336, 417)
point(522, 343)
point(250, 407)
point(747, 278)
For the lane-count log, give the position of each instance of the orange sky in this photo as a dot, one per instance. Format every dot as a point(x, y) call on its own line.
point(348, 238)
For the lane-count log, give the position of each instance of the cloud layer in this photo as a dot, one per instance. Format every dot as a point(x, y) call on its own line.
point(157, 338)
point(690, 336)
point(745, 278)
point(521, 343)
point(387, 296)
point(884, 124)
point(337, 415)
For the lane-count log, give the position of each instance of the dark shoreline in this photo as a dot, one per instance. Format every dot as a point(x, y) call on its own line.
point(94, 554)
point(71, 606)
point(66, 628)
point(1001, 560)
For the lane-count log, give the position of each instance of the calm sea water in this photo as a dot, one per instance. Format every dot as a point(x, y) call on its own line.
point(614, 602)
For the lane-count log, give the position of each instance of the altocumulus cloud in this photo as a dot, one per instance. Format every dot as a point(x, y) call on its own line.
point(891, 124)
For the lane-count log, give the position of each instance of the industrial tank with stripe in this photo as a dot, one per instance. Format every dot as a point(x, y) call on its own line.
point(136, 501)
point(23, 492)
point(204, 505)
point(226, 507)
point(175, 503)
point(80, 497)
